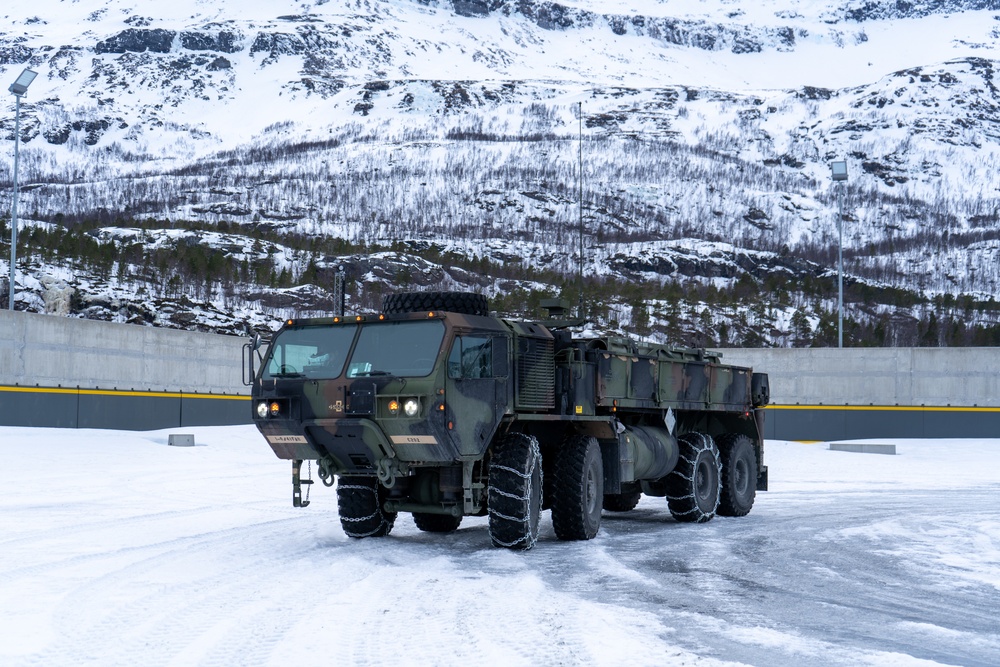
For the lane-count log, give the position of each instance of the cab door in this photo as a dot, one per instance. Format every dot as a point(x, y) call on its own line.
point(477, 388)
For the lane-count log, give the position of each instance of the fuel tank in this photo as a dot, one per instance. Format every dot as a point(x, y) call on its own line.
point(652, 451)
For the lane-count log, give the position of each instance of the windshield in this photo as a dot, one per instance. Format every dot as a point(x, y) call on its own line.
point(403, 349)
point(310, 352)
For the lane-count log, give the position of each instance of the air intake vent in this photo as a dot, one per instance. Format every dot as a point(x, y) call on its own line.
point(536, 374)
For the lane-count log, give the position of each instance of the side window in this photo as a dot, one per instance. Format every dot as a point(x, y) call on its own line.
point(471, 357)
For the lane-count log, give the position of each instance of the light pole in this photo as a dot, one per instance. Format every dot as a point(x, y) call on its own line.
point(580, 206)
point(19, 88)
point(839, 172)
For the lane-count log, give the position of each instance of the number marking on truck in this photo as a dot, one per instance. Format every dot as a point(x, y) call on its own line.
point(287, 439)
point(414, 440)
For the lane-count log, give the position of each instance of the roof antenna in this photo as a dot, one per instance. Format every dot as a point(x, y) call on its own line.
point(339, 291)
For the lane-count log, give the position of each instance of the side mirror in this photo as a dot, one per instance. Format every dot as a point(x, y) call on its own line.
point(248, 366)
point(250, 351)
point(760, 390)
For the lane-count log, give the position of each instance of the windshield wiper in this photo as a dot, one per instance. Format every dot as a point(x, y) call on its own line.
point(361, 374)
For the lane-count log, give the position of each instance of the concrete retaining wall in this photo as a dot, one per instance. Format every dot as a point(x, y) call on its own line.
point(65, 372)
point(878, 376)
point(52, 351)
point(831, 394)
point(58, 371)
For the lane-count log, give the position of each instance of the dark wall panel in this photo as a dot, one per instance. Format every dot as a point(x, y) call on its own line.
point(133, 411)
point(866, 424)
point(941, 424)
point(122, 410)
point(43, 409)
point(882, 424)
point(129, 412)
point(769, 425)
point(214, 411)
point(800, 424)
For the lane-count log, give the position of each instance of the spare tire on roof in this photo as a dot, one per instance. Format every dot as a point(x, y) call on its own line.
point(466, 303)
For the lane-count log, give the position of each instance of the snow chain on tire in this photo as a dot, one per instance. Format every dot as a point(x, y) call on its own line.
point(359, 500)
point(465, 303)
point(515, 491)
point(694, 486)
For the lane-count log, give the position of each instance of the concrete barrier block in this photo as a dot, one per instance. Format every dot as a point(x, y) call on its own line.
point(180, 440)
point(862, 448)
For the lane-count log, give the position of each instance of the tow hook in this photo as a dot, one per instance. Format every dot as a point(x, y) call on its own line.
point(325, 472)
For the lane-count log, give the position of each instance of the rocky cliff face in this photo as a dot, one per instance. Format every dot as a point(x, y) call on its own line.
point(433, 130)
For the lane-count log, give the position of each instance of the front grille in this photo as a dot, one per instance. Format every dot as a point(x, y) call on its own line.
point(536, 374)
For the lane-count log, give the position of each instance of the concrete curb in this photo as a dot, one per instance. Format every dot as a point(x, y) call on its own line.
point(860, 448)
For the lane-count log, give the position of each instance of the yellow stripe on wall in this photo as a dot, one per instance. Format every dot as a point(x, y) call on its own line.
point(892, 408)
point(242, 397)
point(116, 392)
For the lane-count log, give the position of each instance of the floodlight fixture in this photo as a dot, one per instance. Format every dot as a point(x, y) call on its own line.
point(20, 87)
point(839, 170)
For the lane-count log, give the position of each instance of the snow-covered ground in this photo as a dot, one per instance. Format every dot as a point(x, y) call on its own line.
point(116, 549)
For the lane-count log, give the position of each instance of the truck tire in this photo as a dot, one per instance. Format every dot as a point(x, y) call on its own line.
point(621, 502)
point(515, 492)
point(436, 523)
point(739, 474)
point(694, 485)
point(360, 500)
point(577, 488)
point(466, 303)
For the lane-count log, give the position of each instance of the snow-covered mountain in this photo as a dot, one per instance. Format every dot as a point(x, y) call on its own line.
point(441, 143)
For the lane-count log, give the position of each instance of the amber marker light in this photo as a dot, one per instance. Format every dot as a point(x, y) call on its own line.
point(336, 320)
point(441, 407)
point(381, 318)
point(275, 409)
point(431, 314)
point(289, 322)
point(394, 406)
point(358, 318)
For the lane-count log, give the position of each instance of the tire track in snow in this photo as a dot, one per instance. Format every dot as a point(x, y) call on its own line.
point(454, 600)
point(203, 582)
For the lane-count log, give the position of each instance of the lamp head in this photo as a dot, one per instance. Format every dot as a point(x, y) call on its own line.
point(839, 170)
point(20, 87)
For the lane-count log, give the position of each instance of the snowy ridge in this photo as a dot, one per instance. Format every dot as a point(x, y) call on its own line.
point(455, 125)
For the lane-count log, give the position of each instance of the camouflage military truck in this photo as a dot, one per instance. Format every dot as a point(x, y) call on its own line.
point(435, 408)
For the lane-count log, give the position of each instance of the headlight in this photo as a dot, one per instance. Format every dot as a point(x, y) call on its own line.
point(262, 410)
point(411, 407)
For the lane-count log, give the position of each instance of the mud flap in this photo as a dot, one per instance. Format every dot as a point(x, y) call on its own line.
point(762, 479)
